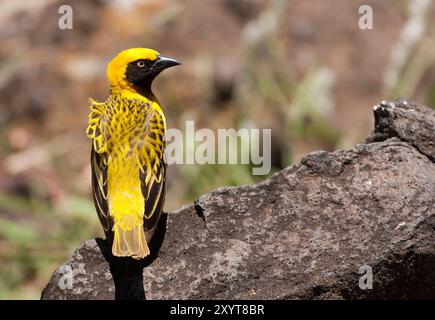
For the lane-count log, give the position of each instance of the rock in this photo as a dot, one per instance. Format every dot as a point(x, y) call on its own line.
point(314, 230)
point(410, 122)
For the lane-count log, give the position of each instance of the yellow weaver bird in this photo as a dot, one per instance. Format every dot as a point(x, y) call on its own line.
point(128, 168)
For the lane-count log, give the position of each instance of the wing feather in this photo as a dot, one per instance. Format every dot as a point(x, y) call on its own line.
point(153, 170)
point(99, 188)
point(99, 163)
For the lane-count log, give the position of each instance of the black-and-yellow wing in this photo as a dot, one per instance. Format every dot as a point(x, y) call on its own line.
point(153, 170)
point(99, 164)
point(99, 191)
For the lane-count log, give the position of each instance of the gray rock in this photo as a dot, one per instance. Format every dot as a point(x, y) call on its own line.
point(407, 120)
point(302, 234)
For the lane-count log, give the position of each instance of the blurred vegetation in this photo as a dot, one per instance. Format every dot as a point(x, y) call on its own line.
point(32, 245)
point(297, 67)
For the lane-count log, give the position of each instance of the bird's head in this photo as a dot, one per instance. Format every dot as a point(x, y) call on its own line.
point(136, 68)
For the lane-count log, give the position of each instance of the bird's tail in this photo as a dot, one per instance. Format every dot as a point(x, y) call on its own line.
point(126, 207)
point(130, 242)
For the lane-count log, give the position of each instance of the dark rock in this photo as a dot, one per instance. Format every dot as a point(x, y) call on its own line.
point(407, 120)
point(302, 234)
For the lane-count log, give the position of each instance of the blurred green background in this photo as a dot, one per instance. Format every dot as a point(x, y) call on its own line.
point(303, 68)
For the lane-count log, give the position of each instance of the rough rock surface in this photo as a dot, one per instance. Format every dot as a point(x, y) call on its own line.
point(302, 234)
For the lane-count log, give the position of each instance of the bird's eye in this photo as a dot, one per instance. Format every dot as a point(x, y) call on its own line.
point(141, 64)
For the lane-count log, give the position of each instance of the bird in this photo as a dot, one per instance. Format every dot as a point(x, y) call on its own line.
point(127, 154)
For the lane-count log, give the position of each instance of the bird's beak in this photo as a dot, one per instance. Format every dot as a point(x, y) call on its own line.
point(165, 62)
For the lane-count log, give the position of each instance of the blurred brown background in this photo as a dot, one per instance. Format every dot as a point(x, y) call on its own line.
point(303, 68)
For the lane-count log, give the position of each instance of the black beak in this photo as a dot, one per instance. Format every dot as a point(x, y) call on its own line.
point(165, 63)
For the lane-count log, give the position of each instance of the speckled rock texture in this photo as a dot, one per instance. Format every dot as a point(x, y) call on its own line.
point(302, 234)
